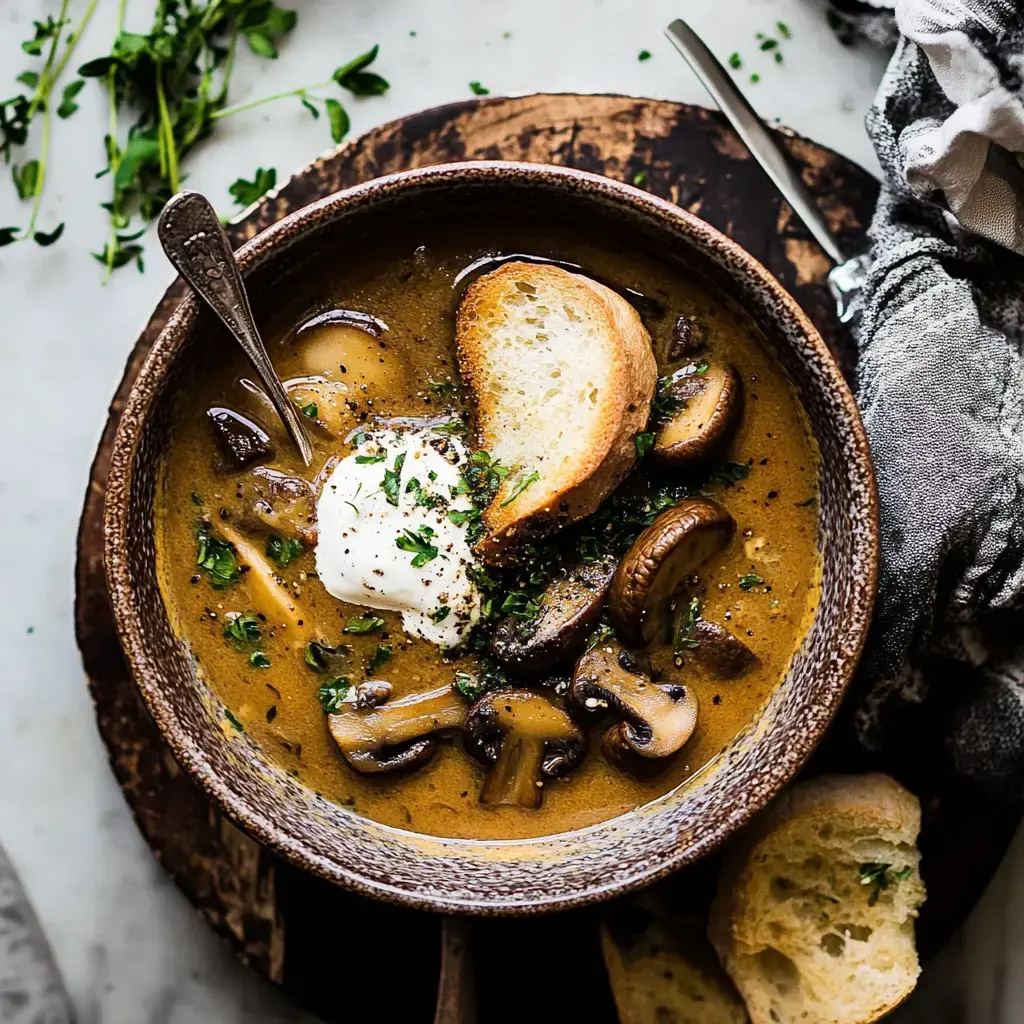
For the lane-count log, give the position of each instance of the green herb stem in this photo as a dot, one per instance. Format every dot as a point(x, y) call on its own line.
point(238, 108)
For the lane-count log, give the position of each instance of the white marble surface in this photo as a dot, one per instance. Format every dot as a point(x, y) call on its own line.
point(132, 949)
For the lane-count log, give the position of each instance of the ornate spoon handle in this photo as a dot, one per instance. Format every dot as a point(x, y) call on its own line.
point(194, 241)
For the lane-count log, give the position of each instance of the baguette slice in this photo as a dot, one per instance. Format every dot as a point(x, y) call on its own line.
point(562, 374)
point(806, 924)
point(666, 975)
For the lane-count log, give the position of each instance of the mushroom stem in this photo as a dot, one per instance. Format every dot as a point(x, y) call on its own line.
point(515, 776)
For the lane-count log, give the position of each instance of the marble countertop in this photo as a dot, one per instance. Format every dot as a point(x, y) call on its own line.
point(132, 950)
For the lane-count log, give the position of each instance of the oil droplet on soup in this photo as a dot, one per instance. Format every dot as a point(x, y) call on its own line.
point(238, 530)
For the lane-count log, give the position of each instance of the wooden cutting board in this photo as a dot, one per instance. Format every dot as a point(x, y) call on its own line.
point(335, 953)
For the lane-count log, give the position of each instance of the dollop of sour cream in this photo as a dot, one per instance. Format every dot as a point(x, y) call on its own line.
point(386, 539)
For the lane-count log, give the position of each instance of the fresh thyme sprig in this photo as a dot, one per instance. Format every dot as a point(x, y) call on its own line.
point(173, 84)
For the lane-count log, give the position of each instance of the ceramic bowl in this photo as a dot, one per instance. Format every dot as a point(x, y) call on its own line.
point(510, 876)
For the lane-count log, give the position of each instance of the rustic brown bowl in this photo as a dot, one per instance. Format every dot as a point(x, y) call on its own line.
point(519, 876)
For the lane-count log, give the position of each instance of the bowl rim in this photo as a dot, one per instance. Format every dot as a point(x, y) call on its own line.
point(146, 672)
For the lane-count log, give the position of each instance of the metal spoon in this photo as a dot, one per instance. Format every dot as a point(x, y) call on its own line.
point(194, 240)
point(850, 272)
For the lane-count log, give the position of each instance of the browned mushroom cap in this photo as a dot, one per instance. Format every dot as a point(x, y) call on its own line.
point(398, 735)
point(569, 609)
point(724, 654)
point(242, 440)
point(672, 548)
point(656, 719)
point(708, 407)
point(269, 499)
point(524, 737)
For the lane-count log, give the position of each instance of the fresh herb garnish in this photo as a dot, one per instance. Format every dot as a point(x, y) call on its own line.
point(521, 605)
point(454, 428)
point(234, 721)
point(488, 676)
point(481, 478)
point(880, 877)
point(369, 460)
point(216, 558)
point(729, 473)
point(311, 411)
point(735, 61)
point(419, 543)
point(702, 367)
point(245, 629)
point(420, 496)
point(365, 623)
point(245, 193)
point(640, 179)
point(332, 695)
point(750, 580)
point(644, 55)
point(380, 656)
point(446, 390)
point(755, 78)
point(283, 550)
point(643, 444)
point(685, 639)
point(521, 486)
point(440, 614)
point(393, 480)
point(258, 660)
point(784, 30)
point(478, 90)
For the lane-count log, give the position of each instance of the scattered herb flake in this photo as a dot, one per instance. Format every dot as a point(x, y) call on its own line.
point(365, 623)
point(393, 479)
point(735, 61)
point(750, 580)
point(245, 193)
point(479, 90)
point(243, 628)
point(755, 78)
point(640, 179)
point(258, 660)
point(644, 55)
point(380, 656)
point(234, 721)
point(332, 695)
point(521, 486)
point(440, 614)
point(283, 550)
point(684, 638)
point(419, 543)
point(643, 443)
point(784, 30)
point(769, 44)
point(216, 558)
point(310, 411)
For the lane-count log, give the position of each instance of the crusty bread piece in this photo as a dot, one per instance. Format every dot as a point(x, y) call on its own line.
point(562, 373)
point(808, 921)
point(662, 976)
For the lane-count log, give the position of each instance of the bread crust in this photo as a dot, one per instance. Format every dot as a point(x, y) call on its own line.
point(872, 801)
point(623, 413)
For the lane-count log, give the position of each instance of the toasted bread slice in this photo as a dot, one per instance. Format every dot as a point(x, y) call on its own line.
point(814, 916)
point(562, 373)
point(666, 974)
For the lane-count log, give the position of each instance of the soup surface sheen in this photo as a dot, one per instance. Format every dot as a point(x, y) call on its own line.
point(768, 482)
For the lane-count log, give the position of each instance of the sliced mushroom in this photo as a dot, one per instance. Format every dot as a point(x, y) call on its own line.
point(724, 654)
point(657, 719)
point(242, 440)
point(274, 500)
point(525, 738)
point(569, 609)
point(689, 336)
point(708, 409)
point(396, 735)
point(271, 594)
point(661, 559)
point(362, 360)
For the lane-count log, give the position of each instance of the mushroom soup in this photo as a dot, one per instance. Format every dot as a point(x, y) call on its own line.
point(346, 614)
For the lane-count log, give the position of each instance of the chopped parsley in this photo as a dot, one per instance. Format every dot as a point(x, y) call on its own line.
point(258, 660)
point(234, 721)
point(364, 623)
point(393, 480)
point(729, 473)
point(419, 544)
point(440, 614)
point(488, 676)
point(521, 486)
point(380, 656)
point(453, 428)
point(478, 90)
point(769, 44)
point(420, 496)
point(370, 460)
point(245, 629)
point(521, 605)
point(311, 411)
point(216, 558)
point(750, 580)
point(684, 638)
point(283, 550)
point(643, 443)
point(644, 55)
point(755, 78)
point(319, 657)
point(446, 390)
point(332, 695)
point(640, 179)
point(481, 478)
point(735, 61)
point(880, 877)
point(784, 30)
